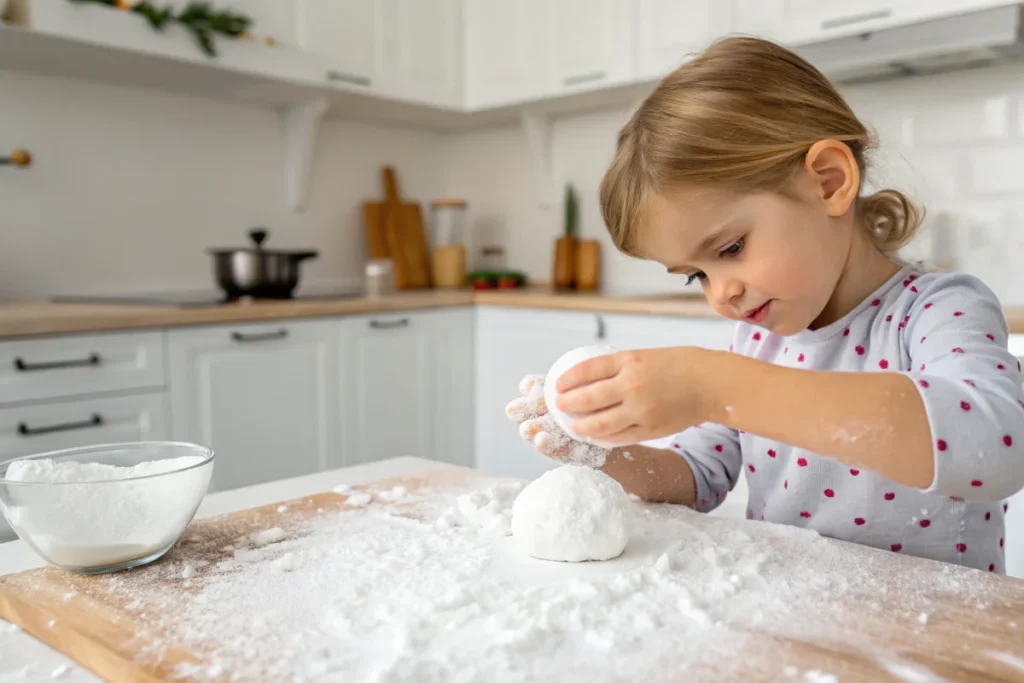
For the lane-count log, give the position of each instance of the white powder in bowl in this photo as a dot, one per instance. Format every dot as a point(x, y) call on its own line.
point(98, 514)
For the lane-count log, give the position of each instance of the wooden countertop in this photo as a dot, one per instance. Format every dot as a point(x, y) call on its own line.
point(30, 318)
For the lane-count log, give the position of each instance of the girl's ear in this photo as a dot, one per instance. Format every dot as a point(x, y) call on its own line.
point(835, 173)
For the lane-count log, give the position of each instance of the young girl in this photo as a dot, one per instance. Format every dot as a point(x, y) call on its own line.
point(862, 398)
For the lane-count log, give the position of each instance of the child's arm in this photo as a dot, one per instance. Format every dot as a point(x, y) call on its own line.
point(952, 425)
point(699, 470)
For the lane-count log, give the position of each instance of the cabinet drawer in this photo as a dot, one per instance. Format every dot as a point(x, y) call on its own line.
point(57, 367)
point(25, 430)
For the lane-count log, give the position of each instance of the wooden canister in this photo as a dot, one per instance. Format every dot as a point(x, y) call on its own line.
point(588, 264)
point(449, 263)
point(564, 275)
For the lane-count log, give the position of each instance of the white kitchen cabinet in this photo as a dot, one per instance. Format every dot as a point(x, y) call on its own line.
point(422, 50)
point(406, 386)
point(800, 21)
point(507, 51)
point(347, 33)
point(592, 43)
point(42, 427)
point(261, 395)
point(513, 343)
point(669, 31)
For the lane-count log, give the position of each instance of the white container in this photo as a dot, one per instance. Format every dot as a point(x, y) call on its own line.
point(448, 221)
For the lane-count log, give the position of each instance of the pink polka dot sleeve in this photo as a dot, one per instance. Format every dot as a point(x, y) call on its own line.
point(714, 455)
point(971, 386)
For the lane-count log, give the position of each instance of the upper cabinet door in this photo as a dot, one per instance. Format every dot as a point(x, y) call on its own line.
point(592, 43)
point(669, 31)
point(507, 51)
point(270, 18)
point(422, 50)
point(348, 34)
point(804, 21)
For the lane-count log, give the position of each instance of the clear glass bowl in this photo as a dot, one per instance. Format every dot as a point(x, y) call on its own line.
point(96, 523)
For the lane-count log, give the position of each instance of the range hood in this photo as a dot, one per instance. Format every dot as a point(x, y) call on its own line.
point(969, 40)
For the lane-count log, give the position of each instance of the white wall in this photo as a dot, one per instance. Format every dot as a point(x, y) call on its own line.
point(130, 187)
point(955, 142)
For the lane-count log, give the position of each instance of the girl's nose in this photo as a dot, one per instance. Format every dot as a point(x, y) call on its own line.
point(725, 292)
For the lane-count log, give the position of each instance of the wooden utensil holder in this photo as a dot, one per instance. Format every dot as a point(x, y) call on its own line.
point(588, 265)
point(564, 275)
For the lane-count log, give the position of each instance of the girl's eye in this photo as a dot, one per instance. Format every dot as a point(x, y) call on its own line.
point(695, 276)
point(733, 249)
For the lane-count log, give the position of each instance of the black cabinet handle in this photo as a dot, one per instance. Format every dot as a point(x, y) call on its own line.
point(389, 324)
point(600, 327)
point(352, 79)
point(95, 421)
point(266, 336)
point(21, 366)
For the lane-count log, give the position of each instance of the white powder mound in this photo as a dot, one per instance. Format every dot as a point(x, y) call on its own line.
point(89, 524)
point(558, 368)
point(572, 514)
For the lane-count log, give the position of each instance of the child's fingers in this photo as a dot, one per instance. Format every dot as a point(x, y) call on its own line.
point(532, 385)
point(526, 408)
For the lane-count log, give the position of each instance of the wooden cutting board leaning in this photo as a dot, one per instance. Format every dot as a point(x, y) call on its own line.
point(395, 230)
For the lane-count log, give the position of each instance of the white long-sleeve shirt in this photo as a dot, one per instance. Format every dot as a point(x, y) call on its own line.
point(945, 331)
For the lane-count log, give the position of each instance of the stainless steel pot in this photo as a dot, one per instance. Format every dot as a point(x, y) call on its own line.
point(257, 272)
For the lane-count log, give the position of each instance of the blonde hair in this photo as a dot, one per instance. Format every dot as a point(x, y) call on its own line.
point(741, 116)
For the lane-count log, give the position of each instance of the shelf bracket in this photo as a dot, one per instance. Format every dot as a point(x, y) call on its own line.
point(301, 123)
point(537, 129)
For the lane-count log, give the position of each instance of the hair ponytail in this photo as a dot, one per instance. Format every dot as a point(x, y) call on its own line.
point(891, 219)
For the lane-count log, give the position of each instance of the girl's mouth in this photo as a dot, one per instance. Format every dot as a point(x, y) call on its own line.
point(758, 314)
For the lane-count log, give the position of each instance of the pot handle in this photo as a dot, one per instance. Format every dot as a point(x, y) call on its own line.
point(258, 235)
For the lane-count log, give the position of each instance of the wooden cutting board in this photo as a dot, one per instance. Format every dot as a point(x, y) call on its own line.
point(395, 230)
point(101, 622)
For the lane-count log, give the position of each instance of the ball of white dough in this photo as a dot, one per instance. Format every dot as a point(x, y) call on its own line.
point(560, 366)
point(572, 513)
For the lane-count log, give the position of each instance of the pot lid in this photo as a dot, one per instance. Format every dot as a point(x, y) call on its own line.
point(258, 236)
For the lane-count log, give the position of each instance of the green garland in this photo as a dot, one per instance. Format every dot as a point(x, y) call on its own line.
point(198, 17)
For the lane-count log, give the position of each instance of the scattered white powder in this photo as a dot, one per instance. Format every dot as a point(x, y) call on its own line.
point(397, 493)
point(60, 671)
point(106, 521)
point(909, 672)
point(819, 677)
point(922, 618)
point(51, 623)
point(572, 513)
point(282, 508)
point(342, 488)
point(389, 593)
point(7, 627)
point(188, 572)
point(1008, 659)
point(273, 535)
point(790, 671)
point(358, 500)
point(285, 563)
point(489, 511)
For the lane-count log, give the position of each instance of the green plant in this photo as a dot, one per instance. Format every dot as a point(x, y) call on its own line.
point(572, 210)
point(201, 20)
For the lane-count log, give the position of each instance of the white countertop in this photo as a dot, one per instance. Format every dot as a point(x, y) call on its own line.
point(23, 658)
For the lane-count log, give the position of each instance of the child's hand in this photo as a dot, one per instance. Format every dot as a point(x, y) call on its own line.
point(538, 427)
point(634, 395)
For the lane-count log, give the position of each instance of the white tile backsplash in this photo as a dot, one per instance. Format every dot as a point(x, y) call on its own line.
point(130, 186)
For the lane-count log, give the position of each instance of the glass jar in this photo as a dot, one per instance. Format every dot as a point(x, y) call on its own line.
point(448, 221)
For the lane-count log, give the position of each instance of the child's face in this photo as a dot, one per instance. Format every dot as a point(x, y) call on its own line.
point(764, 258)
